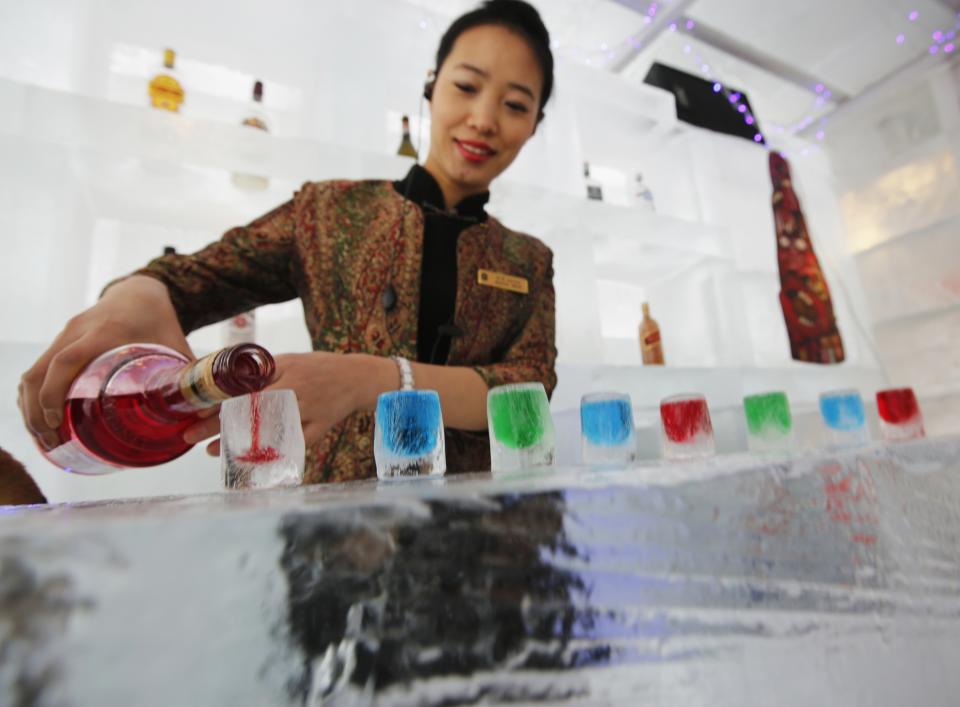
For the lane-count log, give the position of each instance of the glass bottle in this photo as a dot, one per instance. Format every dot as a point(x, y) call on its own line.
point(165, 90)
point(406, 148)
point(256, 118)
point(651, 347)
point(131, 405)
point(594, 189)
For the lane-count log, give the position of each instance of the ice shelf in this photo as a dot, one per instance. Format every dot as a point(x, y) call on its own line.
point(820, 579)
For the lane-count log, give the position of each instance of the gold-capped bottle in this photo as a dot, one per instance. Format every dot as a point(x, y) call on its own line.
point(165, 90)
point(651, 347)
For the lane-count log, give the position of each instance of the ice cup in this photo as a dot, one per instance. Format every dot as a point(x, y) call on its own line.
point(844, 418)
point(769, 423)
point(408, 436)
point(900, 416)
point(520, 427)
point(261, 441)
point(607, 435)
point(687, 429)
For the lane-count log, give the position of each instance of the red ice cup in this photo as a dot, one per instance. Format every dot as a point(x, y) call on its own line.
point(687, 430)
point(900, 417)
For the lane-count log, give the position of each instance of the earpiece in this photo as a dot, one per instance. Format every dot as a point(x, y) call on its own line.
point(428, 86)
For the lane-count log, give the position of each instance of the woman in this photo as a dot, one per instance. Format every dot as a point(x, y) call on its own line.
point(401, 279)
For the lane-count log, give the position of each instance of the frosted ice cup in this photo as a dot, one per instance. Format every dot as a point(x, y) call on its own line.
point(261, 441)
point(607, 435)
point(844, 418)
point(687, 429)
point(900, 416)
point(520, 426)
point(769, 422)
point(408, 437)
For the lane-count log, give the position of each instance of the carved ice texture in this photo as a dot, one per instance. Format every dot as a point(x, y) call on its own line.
point(687, 430)
point(607, 435)
point(520, 426)
point(261, 441)
point(408, 440)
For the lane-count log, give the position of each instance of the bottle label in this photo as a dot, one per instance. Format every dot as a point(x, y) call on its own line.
point(73, 457)
point(197, 385)
point(652, 339)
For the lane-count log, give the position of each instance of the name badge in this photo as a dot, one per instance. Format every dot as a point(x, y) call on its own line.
point(502, 281)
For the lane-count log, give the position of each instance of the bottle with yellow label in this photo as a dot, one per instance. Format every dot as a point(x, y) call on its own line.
point(651, 347)
point(165, 90)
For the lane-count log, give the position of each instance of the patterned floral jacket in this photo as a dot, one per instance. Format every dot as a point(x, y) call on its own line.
point(338, 246)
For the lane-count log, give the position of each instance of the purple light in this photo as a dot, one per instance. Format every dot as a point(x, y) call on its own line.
point(742, 108)
point(820, 135)
point(748, 120)
point(690, 24)
point(818, 88)
point(734, 97)
point(934, 49)
point(758, 138)
point(913, 16)
point(827, 94)
point(673, 26)
point(717, 88)
point(938, 36)
point(900, 39)
point(948, 49)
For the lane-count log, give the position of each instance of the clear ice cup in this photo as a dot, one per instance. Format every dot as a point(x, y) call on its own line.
point(520, 427)
point(687, 430)
point(408, 437)
point(900, 416)
point(844, 418)
point(769, 422)
point(261, 441)
point(607, 435)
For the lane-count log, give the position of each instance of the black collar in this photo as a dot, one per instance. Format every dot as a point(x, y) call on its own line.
point(420, 187)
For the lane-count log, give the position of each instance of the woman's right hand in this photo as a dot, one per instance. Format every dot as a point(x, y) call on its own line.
point(137, 309)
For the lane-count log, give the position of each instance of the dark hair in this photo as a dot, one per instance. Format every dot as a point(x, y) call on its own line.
point(517, 16)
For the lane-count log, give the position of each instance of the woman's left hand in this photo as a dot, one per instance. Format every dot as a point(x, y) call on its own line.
point(329, 387)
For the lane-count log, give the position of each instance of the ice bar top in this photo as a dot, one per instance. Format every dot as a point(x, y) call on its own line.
point(933, 453)
point(575, 585)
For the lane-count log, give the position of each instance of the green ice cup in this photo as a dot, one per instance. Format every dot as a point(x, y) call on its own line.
point(516, 414)
point(768, 414)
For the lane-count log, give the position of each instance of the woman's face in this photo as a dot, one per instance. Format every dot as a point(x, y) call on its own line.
point(484, 108)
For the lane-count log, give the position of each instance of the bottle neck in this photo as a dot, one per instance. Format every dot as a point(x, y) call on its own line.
point(236, 370)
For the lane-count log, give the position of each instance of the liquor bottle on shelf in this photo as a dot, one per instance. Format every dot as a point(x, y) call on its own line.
point(594, 190)
point(651, 348)
point(642, 196)
point(241, 329)
point(256, 118)
point(131, 406)
point(406, 148)
point(165, 90)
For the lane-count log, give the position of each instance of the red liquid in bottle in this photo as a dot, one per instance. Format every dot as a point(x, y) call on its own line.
point(130, 407)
